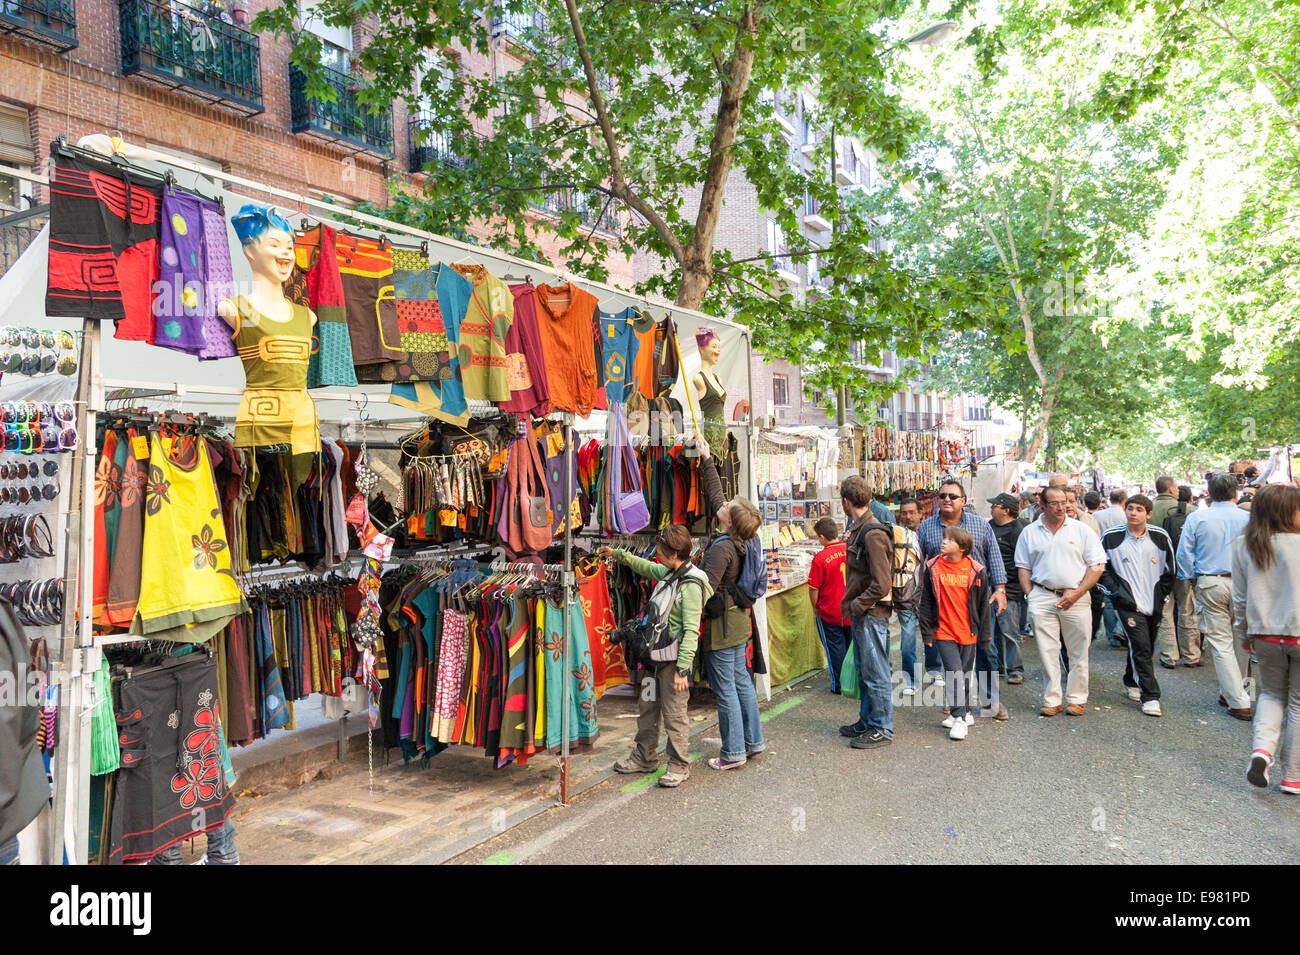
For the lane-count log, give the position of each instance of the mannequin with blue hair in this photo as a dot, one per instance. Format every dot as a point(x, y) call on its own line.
point(273, 338)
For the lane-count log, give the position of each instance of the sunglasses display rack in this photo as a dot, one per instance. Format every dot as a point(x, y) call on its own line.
point(27, 351)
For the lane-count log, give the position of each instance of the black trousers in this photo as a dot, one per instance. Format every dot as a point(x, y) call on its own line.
point(959, 676)
point(1141, 630)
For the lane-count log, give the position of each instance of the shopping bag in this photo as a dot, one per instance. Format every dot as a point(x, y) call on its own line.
point(849, 676)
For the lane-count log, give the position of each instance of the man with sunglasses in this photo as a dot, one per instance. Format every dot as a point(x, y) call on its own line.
point(984, 549)
point(1058, 560)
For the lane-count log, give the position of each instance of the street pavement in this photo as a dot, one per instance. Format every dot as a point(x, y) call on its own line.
point(1111, 787)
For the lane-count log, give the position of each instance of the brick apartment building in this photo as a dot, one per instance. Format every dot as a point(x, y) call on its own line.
point(190, 80)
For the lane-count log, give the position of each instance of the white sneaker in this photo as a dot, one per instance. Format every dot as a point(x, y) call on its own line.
point(958, 730)
point(909, 691)
point(947, 722)
point(970, 718)
point(1134, 693)
point(938, 681)
point(1152, 708)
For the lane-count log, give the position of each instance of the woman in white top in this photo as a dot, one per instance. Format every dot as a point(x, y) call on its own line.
point(1266, 617)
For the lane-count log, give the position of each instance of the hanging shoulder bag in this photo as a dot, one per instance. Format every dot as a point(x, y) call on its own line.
point(628, 501)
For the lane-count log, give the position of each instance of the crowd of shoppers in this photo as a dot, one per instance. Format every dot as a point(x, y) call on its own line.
point(1161, 578)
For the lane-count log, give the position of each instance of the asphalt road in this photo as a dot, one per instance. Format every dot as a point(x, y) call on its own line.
point(1113, 786)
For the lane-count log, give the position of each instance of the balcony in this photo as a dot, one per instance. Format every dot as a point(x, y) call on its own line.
point(51, 23)
point(343, 120)
point(812, 216)
point(430, 145)
point(517, 25)
point(587, 206)
point(178, 47)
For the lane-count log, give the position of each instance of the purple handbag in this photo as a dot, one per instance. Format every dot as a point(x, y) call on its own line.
point(629, 507)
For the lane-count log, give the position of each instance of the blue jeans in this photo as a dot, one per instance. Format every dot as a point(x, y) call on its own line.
point(1006, 638)
point(835, 638)
point(221, 848)
point(871, 653)
point(9, 852)
point(742, 733)
point(907, 623)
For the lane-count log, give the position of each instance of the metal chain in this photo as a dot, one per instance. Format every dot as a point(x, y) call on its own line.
point(370, 738)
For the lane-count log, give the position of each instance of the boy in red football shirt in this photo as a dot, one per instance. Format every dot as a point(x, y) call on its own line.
point(955, 614)
point(826, 587)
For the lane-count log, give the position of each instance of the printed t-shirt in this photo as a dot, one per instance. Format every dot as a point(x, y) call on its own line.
point(564, 317)
point(525, 367)
point(954, 606)
point(317, 284)
point(827, 578)
point(643, 361)
point(618, 352)
point(666, 363)
point(434, 299)
point(103, 257)
point(366, 268)
point(482, 340)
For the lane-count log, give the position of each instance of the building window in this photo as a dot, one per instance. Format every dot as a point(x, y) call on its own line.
point(780, 390)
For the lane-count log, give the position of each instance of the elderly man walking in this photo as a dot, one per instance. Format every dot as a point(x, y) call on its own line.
point(1178, 634)
point(984, 549)
point(1205, 556)
point(1059, 560)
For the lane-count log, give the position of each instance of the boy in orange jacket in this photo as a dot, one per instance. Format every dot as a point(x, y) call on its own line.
point(955, 614)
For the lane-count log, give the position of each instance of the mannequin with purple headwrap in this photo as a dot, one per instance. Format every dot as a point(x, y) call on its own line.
point(708, 388)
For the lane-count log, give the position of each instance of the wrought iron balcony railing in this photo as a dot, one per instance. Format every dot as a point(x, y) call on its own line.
point(343, 119)
point(51, 23)
point(430, 144)
point(190, 48)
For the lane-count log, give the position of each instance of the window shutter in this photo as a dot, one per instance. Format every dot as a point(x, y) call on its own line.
point(15, 137)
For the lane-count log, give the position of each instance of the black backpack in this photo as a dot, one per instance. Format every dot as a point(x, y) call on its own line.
point(1174, 521)
point(647, 640)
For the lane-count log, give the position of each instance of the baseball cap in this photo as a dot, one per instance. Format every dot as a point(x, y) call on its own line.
point(1005, 500)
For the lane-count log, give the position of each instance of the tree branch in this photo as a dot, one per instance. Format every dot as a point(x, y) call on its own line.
point(618, 180)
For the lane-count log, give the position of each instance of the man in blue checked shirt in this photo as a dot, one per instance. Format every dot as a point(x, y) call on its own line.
point(1205, 556)
point(951, 513)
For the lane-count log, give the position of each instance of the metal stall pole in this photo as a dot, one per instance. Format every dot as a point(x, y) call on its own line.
point(570, 592)
point(70, 824)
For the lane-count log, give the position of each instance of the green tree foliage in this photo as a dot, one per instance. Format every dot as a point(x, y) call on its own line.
point(644, 109)
point(1019, 185)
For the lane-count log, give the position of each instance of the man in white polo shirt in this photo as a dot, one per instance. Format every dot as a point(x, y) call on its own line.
point(1059, 559)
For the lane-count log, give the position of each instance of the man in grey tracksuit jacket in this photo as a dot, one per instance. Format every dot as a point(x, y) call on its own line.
point(1139, 576)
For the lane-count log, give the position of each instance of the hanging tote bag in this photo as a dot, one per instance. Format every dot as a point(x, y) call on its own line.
point(535, 499)
point(627, 499)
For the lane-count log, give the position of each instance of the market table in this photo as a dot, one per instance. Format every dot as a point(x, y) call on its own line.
point(794, 646)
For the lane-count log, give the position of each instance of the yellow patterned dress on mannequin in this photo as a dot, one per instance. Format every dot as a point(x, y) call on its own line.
point(276, 408)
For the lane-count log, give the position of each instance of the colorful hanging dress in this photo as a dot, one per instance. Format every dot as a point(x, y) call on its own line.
point(583, 725)
point(188, 593)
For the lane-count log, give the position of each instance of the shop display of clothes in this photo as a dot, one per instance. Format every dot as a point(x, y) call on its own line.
point(293, 642)
point(478, 662)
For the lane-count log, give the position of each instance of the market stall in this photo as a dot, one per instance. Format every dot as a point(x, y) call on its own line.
point(332, 538)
